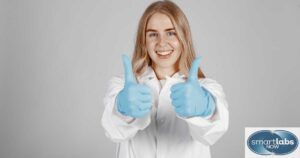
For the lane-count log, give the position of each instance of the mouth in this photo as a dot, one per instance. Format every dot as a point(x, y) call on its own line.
point(164, 54)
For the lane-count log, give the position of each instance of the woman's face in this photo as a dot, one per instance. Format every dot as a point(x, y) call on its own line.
point(162, 43)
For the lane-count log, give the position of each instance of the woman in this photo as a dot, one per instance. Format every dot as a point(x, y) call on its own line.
point(164, 107)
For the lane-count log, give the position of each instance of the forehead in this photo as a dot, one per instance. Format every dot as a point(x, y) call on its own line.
point(159, 21)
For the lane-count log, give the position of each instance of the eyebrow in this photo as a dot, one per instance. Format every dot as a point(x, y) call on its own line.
point(153, 30)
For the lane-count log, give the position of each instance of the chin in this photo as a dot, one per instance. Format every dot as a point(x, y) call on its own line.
point(164, 64)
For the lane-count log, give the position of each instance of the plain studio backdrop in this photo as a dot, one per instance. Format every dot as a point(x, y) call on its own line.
point(58, 56)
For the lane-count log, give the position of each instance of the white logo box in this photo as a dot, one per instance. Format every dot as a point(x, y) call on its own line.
point(251, 130)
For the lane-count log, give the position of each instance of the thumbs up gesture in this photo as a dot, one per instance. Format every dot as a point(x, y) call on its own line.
point(189, 98)
point(134, 99)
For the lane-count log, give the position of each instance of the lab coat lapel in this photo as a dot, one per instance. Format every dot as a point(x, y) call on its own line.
point(149, 78)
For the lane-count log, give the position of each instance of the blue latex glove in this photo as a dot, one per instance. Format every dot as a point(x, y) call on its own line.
point(189, 98)
point(134, 99)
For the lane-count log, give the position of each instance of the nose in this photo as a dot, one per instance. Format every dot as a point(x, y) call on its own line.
point(162, 41)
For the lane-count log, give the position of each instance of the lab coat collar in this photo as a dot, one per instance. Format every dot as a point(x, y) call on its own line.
point(149, 74)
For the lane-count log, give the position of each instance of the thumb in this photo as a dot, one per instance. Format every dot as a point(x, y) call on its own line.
point(193, 74)
point(129, 77)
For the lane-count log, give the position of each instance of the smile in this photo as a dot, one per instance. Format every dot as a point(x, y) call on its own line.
point(164, 53)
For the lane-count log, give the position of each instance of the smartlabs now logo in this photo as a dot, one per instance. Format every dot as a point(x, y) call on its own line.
point(278, 142)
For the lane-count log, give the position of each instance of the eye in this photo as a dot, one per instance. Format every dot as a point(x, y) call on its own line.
point(153, 34)
point(171, 33)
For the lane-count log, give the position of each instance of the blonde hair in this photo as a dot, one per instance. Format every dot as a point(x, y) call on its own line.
point(141, 59)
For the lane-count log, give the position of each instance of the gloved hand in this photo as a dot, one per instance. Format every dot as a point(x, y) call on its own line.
point(189, 98)
point(134, 99)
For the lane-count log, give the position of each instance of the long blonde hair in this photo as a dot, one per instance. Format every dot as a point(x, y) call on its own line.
point(141, 59)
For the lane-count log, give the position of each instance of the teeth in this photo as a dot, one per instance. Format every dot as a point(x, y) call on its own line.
point(164, 53)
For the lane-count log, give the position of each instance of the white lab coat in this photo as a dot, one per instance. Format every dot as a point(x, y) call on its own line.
point(163, 134)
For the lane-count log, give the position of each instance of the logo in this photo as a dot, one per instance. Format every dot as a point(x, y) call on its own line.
point(272, 142)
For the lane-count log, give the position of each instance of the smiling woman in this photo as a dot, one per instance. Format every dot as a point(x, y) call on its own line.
point(162, 44)
point(164, 23)
point(164, 106)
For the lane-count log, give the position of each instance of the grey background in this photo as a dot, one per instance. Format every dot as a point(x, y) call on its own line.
point(57, 57)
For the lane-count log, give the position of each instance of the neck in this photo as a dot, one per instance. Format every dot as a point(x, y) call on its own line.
point(161, 72)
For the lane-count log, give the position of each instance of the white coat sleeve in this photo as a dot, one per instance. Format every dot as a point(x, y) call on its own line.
point(118, 127)
point(210, 129)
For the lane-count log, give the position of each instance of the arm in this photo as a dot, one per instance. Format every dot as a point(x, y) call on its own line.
point(209, 129)
point(117, 126)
